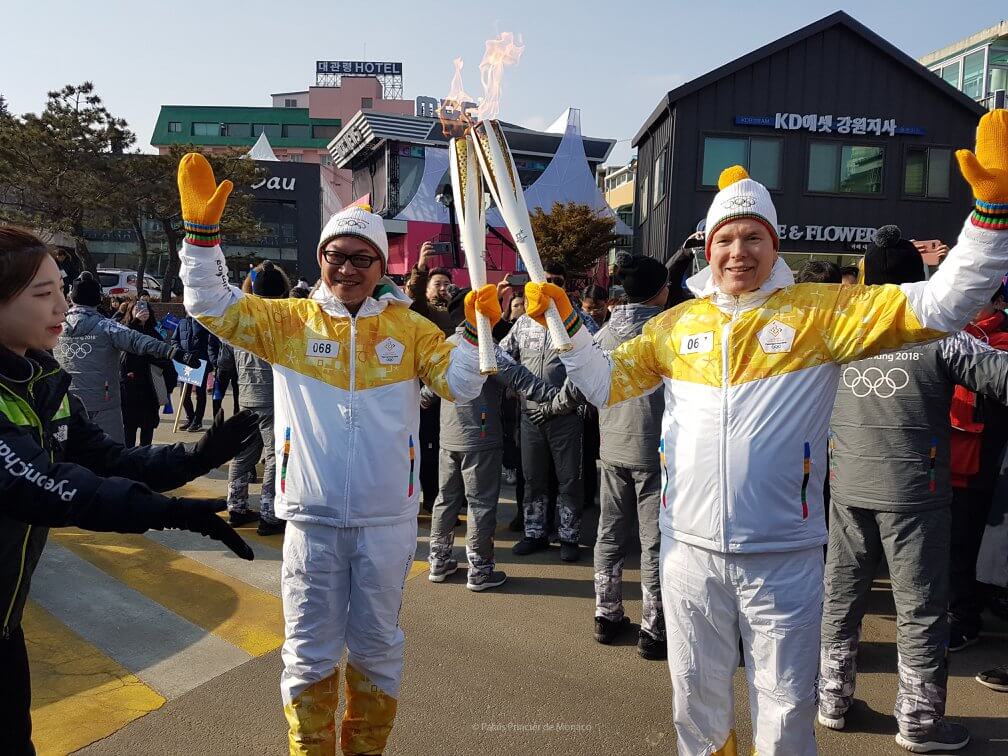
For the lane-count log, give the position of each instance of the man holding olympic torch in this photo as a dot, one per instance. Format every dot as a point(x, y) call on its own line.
point(346, 364)
point(750, 371)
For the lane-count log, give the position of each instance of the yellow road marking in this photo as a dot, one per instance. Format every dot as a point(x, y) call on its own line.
point(79, 695)
point(230, 609)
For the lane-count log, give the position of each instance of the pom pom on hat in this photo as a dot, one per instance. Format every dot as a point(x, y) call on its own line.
point(731, 175)
point(891, 259)
point(887, 236)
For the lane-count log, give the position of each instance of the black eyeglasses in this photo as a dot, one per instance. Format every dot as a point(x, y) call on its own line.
point(556, 280)
point(361, 262)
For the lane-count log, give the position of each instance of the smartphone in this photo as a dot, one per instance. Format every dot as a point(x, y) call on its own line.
point(517, 279)
point(141, 306)
point(442, 248)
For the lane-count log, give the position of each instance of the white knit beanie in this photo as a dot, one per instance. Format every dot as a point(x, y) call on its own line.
point(359, 221)
point(740, 197)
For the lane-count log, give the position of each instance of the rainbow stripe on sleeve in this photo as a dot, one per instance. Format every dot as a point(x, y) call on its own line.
point(283, 463)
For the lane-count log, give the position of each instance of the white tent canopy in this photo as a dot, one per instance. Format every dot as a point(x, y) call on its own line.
point(261, 150)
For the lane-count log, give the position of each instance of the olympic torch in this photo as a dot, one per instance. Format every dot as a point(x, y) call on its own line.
point(467, 186)
point(501, 177)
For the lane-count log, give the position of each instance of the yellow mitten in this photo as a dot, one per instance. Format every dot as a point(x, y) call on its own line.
point(483, 300)
point(537, 300)
point(202, 200)
point(987, 171)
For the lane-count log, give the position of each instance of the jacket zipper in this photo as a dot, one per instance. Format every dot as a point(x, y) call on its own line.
point(725, 334)
point(24, 544)
point(353, 435)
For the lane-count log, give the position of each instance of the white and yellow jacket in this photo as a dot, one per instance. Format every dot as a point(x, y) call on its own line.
point(346, 391)
point(750, 382)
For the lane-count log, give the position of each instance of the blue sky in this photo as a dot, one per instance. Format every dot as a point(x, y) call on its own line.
point(613, 60)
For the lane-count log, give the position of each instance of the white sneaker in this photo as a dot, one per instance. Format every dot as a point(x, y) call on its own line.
point(833, 723)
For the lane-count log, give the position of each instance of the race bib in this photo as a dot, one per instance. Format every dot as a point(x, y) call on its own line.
point(697, 343)
point(322, 348)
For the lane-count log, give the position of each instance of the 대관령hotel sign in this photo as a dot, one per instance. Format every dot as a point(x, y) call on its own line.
point(830, 124)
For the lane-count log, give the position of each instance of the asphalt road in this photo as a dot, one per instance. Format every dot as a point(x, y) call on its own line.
point(516, 671)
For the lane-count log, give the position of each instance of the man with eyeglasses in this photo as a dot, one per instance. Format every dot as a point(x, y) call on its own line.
point(346, 364)
point(546, 436)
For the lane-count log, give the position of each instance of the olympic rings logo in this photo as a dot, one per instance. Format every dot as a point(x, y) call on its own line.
point(740, 202)
point(352, 223)
point(884, 384)
point(68, 349)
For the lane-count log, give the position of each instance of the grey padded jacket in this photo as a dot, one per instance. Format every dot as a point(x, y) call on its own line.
point(529, 344)
point(89, 350)
point(630, 431)
point(476, 425)
point(889, 433)
point(255, 379)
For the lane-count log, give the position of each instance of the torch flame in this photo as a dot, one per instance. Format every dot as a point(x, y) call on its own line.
point(453, 113)
point(500, 51)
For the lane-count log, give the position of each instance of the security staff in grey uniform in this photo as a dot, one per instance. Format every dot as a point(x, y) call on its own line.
point(89, 349)
point(891, 491)
point(631, 472)
point(469, 469)
point(545, 436)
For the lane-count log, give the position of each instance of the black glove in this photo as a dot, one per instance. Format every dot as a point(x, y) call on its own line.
point(225, 438)
point(200, 516)
point(189, 359)
point(539, 415)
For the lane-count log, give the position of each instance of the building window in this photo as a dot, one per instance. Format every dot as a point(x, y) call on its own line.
point(926, 172)
point(659, 178)
point(296, 130)
point(845, 168)
point(272, 130)
point(951, 73)
point(236, 130)
point(644, 204)
point(290, 102)
point(206, 129)
point(760, 156)
point(295, 157)
point(174, 127)
point(325, 159)
point(324, 132)
point(973, 75)
point(366, 102)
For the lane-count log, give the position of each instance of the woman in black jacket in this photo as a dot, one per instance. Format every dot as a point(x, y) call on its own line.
point(141, 403)
point(57, 468)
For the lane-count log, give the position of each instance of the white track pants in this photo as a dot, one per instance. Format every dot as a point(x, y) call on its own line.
point(342, 588)
point(774, 601)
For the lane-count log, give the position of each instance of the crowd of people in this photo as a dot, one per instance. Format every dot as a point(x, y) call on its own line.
point(767, 438)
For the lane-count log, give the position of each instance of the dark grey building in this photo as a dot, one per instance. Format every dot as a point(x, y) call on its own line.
point(847, 132)
point(287, 202)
